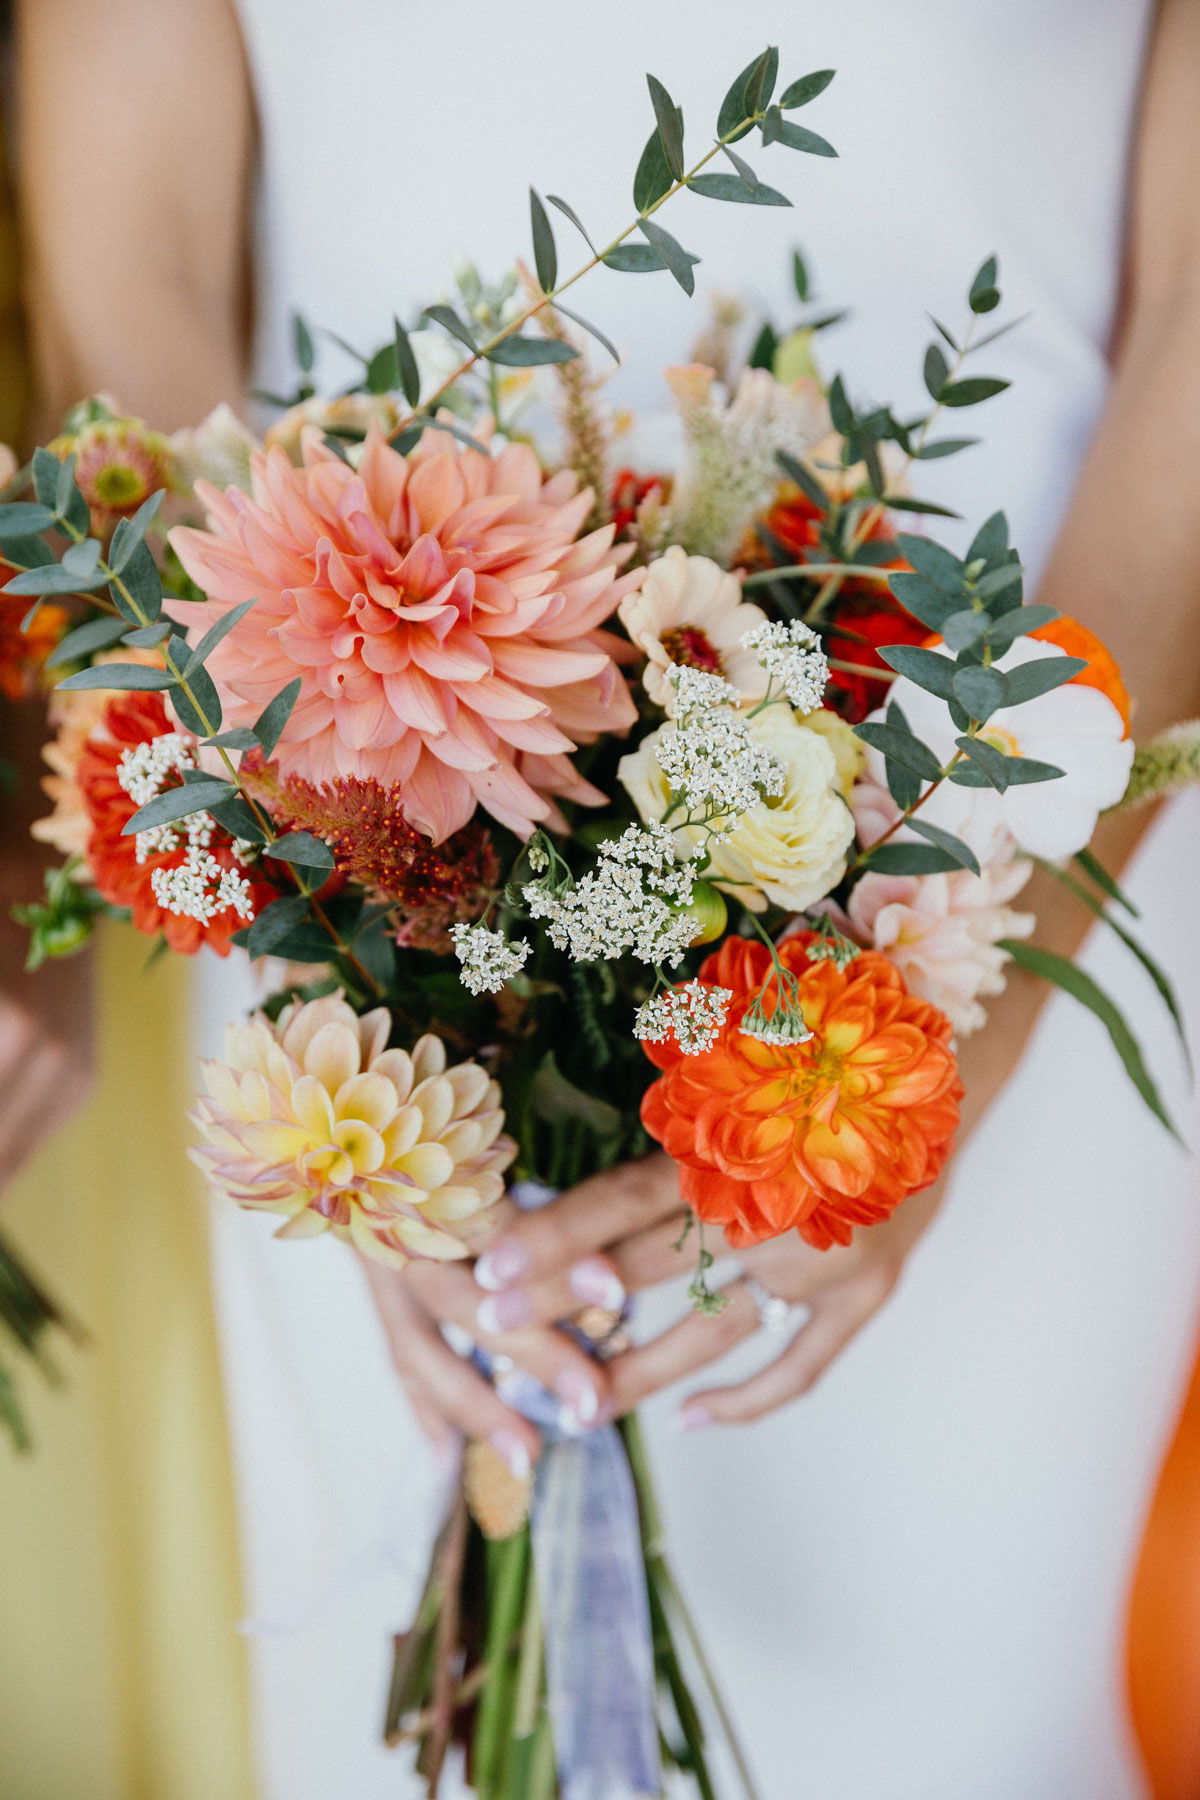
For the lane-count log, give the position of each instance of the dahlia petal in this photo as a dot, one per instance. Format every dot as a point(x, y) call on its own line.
point(312, 1108)
point(430, 1165)
point(332, 1055)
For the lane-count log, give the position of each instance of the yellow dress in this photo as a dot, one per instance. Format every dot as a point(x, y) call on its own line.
point(121, 1672)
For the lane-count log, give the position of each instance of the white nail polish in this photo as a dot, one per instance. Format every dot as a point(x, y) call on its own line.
point(509, 1446)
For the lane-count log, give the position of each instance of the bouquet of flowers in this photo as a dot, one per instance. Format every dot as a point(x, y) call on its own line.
point(583, 810)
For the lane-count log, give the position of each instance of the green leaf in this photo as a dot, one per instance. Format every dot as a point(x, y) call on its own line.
point(1156, 974)
point(670, 127)
point(268, 727)
point(545, 255)
point(800, 277)
point(64, 487)
point(902, 747)
point(1001, 771)
point(936, 371)
point(239, 738)
point(274, 922)
point(981, 691)
point(215, 633)
point(991, 540)
point(527, 353)
point(1028, 680)
point(943, 447)
point(954, 847)
point(53, 578)
point(238, 820)
point(804, 479)
point(460, 432)
point(840, 410)
point(120, 675)
point(406, 364)
point(762, 354)
point(382, 374)
point(448, 319)
point(903, 785)
point(750, 93)
point(130, 532)
point(97, 634)
point(923, 667)
point(588, 326)
point(22, 516)
point(1019, 621)
point(570, 213)
point(984, 296)
point(302, 847)
point(721, 186)
point(971, 390)
point(82, 560)
point(637, 259)
point(178, 803)
point(905, 503)
point(962, 629)
point(46, 471)
point(199, 709)
point(146, 636)
point(1092, 866)
point(302, 344)
point(141, 580)
point(930, 604)
point(1072, 980)
point(741, 165)
point(652, 178)
point(910, 859)
point(672, 253)
point(805, 89)
point(998, 581)
point(932, 561)
point(798, 137)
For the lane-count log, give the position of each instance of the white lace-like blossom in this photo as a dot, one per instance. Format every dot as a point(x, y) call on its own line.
point(692, 1014)
point(632, 900)
point(709, 755)
point(792, 655)
point(199, 887)
point(791, 1030)
point(488, 959)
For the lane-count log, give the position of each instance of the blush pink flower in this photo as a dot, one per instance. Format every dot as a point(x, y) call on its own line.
point(442, 611)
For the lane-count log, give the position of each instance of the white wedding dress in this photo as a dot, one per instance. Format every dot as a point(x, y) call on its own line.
point(912, 1583)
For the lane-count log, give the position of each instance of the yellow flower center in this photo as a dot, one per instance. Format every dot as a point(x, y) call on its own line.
point(1001, 740)
point(118, 484)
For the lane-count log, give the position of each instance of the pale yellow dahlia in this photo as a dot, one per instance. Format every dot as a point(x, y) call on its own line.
point(313, 1117)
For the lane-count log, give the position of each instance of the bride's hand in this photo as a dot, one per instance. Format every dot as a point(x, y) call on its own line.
point(530, 1270)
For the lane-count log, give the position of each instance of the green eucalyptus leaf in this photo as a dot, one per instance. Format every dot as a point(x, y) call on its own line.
point(1001, 771)
point(406, 364)
point(895, 858)
point(750, 93)
point(569, 212)
point(382, 372)
point(924, 668)
point(670, 127)
point(652, 178)
point(448, 319)
point(804, 479)
point(762, 353)
point(1074, 981)
point(981, 691)
point(906, 503)
point(673, 254)
point(933, 561)
point(268, 727)
point(200, 707)
point(589, 327)
point(239, 738)
point(1031, 679)
point(1093, 867)
point(146, 636)
point(962, 629)
point(953, 846)
point(798, 137)
point(46, 471)
point(741, 165)
point(840, 410)
point(141, 580)
point(82, 560)
point(805, 89)
point(943, 447)
point(903, 785)
point(1018, 622)
point(930, 604)
point(990, 543)
point(178, 803)
point(984, 296)
point(545, 255)
point(97, 634)
point(302, 344)
point(936, 371)
point(528, 353)
point(274, 923)
point(120, 675)
point(215, 633)
point(22, 516)
point(637, 259)
point(902, 747)
point(800, 277)
point(721, 186)
point(130, 532)
point(303, 848)
point(53, 578)
point(971, 389)
point(238, 820)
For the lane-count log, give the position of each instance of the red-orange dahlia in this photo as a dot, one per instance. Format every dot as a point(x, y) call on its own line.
point(130, 720)
point(822, 1135)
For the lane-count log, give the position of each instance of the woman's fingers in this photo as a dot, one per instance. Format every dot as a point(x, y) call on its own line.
point(447, 1291)
point(662, 1252)
point(595, 1214)
point(836, 1317)
point(442, 1382)
point(692, 1343)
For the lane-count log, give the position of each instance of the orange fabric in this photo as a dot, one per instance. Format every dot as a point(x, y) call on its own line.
point(1164, 1619)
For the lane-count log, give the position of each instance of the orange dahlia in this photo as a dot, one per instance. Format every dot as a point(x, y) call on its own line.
point(443, 614)
point(23, 653)
point(821, 1135)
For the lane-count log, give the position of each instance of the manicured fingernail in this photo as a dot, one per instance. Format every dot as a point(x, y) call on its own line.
point(501, 1266)
point(504, 1312)
point(597, 1284)
point(581, 1402)
point(693, 1415)
point(508, 1445)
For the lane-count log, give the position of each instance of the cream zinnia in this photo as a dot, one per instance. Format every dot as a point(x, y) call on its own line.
point(442, 611)
point(314, 1118)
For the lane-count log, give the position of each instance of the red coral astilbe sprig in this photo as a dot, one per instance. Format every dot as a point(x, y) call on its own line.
point(362, 821)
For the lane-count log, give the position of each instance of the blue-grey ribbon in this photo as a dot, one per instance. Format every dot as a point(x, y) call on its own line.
point(591, 1578)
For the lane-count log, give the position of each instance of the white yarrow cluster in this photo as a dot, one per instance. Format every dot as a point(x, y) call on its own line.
point(792, 655)
point(780, 1032)
point(709, 755)
point(199, 887)
point(630, 901)
point(692, 1014)
point(488, 959)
